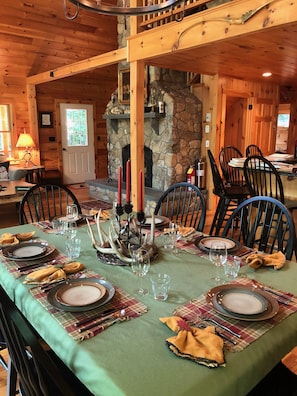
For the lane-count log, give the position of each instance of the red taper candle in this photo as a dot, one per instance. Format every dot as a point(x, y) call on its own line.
point(140, 192)
point(128, 180)
point(120, 185)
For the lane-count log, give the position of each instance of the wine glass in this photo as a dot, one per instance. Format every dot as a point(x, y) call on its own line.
point(72, 212)
point(218, 256)
point(140, 265)
point(174, 231)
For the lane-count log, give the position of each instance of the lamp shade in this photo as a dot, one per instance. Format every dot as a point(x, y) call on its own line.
point(25, 140)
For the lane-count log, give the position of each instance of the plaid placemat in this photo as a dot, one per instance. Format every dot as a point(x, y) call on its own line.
point(54, 258)
point(133, 309)
point(196, 309)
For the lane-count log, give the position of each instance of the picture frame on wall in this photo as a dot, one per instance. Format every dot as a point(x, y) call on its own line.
point(124, 86)
point(45, 119)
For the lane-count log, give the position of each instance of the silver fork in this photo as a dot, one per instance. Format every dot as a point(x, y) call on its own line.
point(220, 334)
point(216, 323)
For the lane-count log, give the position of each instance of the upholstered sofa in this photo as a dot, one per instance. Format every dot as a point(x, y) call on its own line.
point(10, 172)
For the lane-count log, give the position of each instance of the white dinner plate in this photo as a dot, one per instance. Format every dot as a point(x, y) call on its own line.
point(53, 294)
point(268, 313)
point(204, 243)
point(29, 251)
point(242, 301)
point(160, 221)
point(80, 294)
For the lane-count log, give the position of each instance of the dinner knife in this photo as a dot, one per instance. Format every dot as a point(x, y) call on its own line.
point(102, 317)
point(284, 296)
point(222, 327)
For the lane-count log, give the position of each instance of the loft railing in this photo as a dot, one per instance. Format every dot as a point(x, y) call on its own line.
point(187, 7)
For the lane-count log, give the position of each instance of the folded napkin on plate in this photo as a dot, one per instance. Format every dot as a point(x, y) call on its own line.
point(45, 275)
point(186, 231)
point(52, 273)
point(202, 346)
point(257, 260)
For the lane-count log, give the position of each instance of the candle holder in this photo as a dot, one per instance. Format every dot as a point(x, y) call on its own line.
point(129, 231)
point(140, 217)
point(128, 207)
point(119, 210)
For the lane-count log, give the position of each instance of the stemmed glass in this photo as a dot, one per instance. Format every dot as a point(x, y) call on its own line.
point(140, 265)
point(174, 230)
point(218, 256)
point(72, 212)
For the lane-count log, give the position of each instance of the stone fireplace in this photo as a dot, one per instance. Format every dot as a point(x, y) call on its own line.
point(172, 139)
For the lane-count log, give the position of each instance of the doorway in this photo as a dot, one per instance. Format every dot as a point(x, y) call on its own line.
point(283, 123)
point(235, 122)
point(77, 135)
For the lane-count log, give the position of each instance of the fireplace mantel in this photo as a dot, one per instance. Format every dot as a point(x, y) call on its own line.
point(152, 116)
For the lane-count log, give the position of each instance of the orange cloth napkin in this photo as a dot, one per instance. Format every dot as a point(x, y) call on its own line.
point(257, 260)
point(202, 346)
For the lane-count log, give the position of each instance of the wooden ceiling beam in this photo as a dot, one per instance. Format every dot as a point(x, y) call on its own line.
point(224, 22)
point(109, 58)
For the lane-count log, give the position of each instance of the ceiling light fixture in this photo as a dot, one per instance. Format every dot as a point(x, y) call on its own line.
point(267, 74)
point(109, 9)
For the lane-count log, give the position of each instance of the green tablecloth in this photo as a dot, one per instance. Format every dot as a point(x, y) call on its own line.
point(131, 358)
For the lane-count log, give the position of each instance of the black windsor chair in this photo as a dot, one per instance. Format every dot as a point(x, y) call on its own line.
point(253, 149)
point(183, 202)
point(262, 223)
point(229, 197)
point(44, 202)
point(232, 176)
point(263, 179)
point(40, 372)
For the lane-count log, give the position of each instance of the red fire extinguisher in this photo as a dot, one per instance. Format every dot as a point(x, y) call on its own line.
point(191, 175)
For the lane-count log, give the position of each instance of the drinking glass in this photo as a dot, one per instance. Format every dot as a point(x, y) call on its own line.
point(140, 265)
point(70, 229)
point(72, 212)
point(218, 256)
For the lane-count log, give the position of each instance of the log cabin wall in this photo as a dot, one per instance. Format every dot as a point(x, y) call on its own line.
point(38, 38)
point(258, 122)
point(70, 90)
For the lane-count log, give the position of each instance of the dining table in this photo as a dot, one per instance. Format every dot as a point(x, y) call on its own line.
point(286, 167)
point(131, 358)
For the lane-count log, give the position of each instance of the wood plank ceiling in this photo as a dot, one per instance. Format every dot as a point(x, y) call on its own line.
point(36, 37)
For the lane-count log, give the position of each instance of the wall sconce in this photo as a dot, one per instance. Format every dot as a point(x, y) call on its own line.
point(25, 141)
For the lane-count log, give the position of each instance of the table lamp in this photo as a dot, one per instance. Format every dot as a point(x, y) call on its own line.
point(25, 141)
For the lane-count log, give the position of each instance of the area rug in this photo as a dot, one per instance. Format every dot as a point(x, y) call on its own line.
point(96, 205)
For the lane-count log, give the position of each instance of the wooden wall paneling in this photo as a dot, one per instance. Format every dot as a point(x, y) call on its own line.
point(292, 133)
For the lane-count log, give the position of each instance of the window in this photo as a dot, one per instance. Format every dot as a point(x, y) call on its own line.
point(77, 127)
point(283, 120)
point(5, 129)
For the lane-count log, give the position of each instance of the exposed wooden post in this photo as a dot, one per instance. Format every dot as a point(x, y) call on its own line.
point(136, 127)
point(33, 121)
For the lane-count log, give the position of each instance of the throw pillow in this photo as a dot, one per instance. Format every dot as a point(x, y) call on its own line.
point(4, 170)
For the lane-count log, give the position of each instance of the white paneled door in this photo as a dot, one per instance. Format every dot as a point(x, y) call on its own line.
point(77, 130)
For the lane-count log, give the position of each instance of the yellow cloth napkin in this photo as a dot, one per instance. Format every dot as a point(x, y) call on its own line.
point(202, 346)
point(52, 273)
point(257, 260)
point(45, 275)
